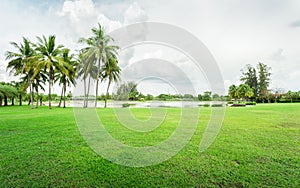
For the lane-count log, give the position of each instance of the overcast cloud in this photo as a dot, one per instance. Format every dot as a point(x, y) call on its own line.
point(236, 32)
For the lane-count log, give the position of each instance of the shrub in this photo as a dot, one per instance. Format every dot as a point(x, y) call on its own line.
point(206, 105)
point(238, 105)
point(230, 102)
point(217, 105)
point(125, 105)
point(250, 103)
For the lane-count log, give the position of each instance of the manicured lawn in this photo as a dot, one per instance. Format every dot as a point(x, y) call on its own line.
point(256, 147)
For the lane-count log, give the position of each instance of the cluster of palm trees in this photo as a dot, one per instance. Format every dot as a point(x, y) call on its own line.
point(44, 62)
point(243, 91)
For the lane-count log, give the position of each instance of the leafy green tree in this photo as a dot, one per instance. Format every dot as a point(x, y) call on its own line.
point(244, 91)
point(263, 80)
point(127, 91)
point(207, 96)
point(233, 92)
point(7, 91)
point(149, 97)
point(290, 95)
point(200, 98)
point(249, 77)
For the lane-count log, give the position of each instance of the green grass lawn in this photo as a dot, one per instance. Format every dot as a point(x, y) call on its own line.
point(256, 147)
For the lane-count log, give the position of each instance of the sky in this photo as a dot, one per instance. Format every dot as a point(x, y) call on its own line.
point(235, 32)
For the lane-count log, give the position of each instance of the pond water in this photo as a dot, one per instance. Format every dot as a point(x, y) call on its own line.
point(146, 104)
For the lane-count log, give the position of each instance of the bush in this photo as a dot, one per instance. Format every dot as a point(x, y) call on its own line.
point(250, 103)
point(204, 105)
point(238, 105)
point(230, 102)
point(125, 105)
point(217, 105)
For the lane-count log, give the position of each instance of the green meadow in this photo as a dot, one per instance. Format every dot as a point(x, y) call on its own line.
point(257, 146)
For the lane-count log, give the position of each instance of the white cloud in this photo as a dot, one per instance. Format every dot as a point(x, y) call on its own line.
point(78, 9)
point(108, 24)
point(135, 14)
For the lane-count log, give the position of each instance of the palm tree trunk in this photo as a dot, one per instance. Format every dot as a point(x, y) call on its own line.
point(13, 101)
point(20, 100)
point(88, 92)
point(50, 83)
point(105, 102)
point(97, 82)
point(84, 99)
point(30, 91)
point(31, 95)
point(5, 101)
point(65, 88)
point(37, 94)
point(61, 95)
point(41, 101)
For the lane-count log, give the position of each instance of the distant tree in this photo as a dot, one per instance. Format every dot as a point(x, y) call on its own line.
point(233, 92)
point(216, 96)
point(149, 97)
point(127, 91)
point(244, 91)
point(290, 95)
point(206, 96)
point(263, 81)
point(200, 98)
point(188, 96)
point(7, 91)
point(249, 77)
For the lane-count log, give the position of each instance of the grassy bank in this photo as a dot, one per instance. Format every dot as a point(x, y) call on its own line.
point(257, 146)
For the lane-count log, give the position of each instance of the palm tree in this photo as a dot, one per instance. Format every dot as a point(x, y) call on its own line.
point(98, 47)
point(87, 70)
point(111, 71)
point(7, 91)
point(233, 92)
point(20, 89)
point(47, 52)
point(68, 77)
point(244, 91)
point(20, 62)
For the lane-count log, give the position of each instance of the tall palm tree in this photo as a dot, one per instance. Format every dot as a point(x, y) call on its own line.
point(111, 71)
point(47, 52)
point(20, 62)
point(86, 69)
point(99, 47)
point(66, 78)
